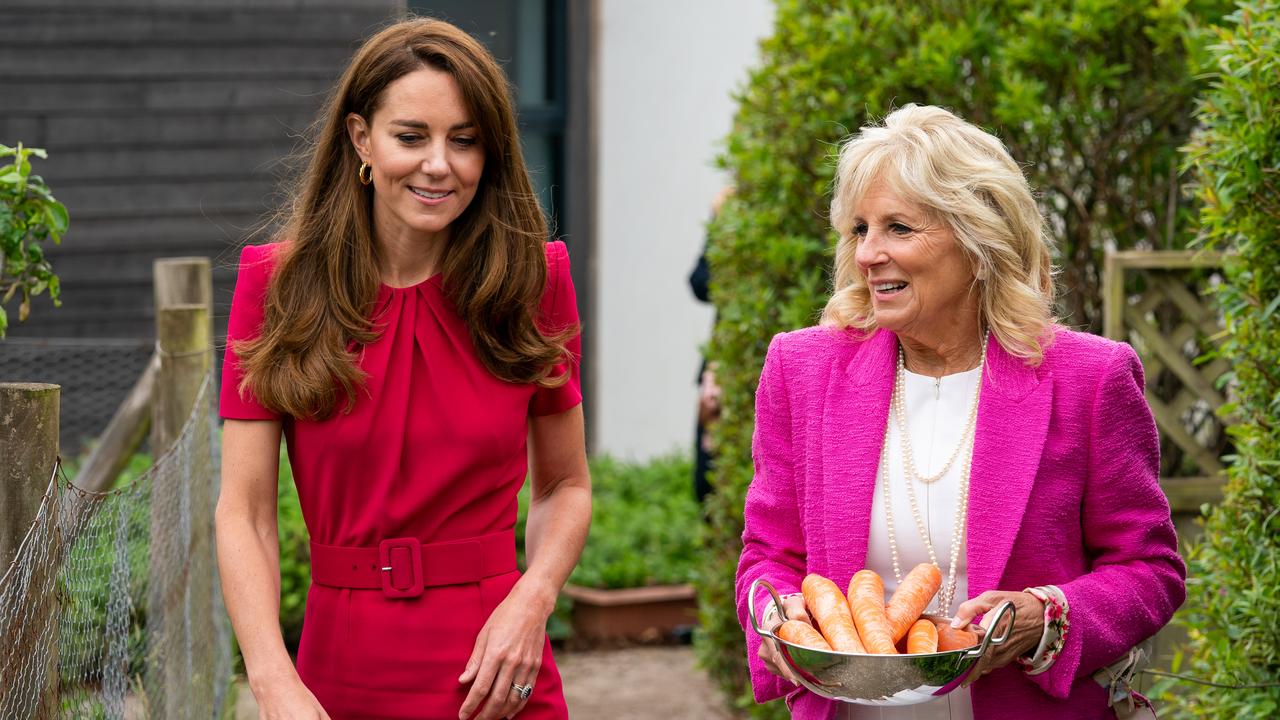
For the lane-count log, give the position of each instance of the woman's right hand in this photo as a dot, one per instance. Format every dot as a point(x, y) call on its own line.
point(287, 699)
point(770, 653)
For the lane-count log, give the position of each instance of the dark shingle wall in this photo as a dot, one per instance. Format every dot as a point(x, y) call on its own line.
point(166, 122)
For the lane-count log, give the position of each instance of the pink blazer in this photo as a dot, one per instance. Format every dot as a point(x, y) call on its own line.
point(1063, 491)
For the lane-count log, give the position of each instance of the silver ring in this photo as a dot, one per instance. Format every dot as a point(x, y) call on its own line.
point(524, 690)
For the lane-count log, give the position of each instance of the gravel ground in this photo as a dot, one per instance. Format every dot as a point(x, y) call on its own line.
point(642, 683)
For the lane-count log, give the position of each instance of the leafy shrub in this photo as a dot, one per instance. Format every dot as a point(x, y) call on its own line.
point(645, 524)
point(29, 216)
point(1093, 97)
point(645, 529)
point(295, 555)
point(1234, 580)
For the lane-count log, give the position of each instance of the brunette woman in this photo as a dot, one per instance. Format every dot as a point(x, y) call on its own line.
point(413, 337)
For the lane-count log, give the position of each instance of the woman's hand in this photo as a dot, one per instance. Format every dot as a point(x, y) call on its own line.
point(286, 698)
point(1028, 627)
point(770, 653)
point(508, 651)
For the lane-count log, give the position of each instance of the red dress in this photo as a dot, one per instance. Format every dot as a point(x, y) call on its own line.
point(433, 449)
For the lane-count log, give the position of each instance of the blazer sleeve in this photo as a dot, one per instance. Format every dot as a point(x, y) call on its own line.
point(245, 323)
point(558, 313)
point(773, 539)
point(1137, 579)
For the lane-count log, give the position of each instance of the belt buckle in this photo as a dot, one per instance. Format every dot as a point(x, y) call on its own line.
point(396, 557)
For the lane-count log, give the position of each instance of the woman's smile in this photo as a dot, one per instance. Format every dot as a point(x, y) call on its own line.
point(430, 197)
point(888, 290)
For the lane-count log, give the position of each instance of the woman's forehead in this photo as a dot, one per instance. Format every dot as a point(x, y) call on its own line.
point(886, 195)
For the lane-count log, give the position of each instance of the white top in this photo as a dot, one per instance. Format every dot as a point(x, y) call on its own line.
point(937, 409)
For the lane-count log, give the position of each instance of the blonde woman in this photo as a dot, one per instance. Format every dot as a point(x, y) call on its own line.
point(940, 415)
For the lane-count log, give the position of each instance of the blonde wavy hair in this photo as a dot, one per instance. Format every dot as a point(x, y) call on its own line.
point(963, 177)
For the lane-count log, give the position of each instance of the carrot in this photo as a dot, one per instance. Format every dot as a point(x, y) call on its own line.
point(802, 633)
point(922, 638)
point(830, 610)
point(912, 597)
point(866, 602)
point(950, 638)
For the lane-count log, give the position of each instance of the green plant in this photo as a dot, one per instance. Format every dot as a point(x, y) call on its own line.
point(1093, 97)
point(295, 555)
point(29, 216)
point(645, 528)
point(1234, 579)
point(645, 524)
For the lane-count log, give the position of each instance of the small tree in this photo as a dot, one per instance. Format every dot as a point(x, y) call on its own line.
point(1233, 605)
point(29, 216)
point(1093, 97)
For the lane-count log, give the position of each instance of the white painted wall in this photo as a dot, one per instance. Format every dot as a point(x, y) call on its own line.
point(666, 71)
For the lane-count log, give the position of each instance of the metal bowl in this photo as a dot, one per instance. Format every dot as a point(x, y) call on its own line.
point(881, 680)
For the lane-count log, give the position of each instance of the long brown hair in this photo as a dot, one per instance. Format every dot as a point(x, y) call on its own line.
point(326, 276)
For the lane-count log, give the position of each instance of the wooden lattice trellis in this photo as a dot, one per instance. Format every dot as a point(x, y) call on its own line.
point(1170, 323)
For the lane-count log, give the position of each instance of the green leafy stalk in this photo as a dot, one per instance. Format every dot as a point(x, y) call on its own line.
point(29, 217)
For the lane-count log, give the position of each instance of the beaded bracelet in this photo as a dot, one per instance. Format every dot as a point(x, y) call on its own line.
point(1055, 629)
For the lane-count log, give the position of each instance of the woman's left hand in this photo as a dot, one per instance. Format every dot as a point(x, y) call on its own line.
point(508, 652)
point(1028, 627)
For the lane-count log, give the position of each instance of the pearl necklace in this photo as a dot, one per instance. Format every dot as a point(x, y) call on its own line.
point(897, 406)
point(900, 417)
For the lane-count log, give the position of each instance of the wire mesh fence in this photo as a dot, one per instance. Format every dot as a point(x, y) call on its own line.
point(111, 608)
point(95, 374)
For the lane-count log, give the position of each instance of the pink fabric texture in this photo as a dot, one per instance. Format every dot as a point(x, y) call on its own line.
point(1063, 491)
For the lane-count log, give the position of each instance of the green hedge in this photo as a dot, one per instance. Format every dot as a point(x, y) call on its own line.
point(645, 524)
point(1233, 609)
point(295, 555)
point(645, 528)
point(1094, 97)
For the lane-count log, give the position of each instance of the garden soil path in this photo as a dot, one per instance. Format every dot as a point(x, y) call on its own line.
point(641, 683)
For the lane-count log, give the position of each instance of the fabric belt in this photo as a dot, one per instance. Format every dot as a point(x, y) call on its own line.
point(402, 567)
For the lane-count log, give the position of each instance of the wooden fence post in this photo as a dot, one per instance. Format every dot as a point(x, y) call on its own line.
point(182, 557)
point(28, 450)
point(29, 415)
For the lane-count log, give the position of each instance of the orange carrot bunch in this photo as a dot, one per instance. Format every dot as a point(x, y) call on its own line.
point(827, 606)
point(860, 621)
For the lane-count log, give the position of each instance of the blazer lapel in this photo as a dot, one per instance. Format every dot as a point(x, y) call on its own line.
point(1013, 420)
point(851, 437)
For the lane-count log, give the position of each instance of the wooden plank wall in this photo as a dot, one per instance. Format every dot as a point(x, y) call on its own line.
point(166, 123)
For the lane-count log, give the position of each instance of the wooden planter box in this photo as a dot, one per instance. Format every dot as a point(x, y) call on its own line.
point(644, 614)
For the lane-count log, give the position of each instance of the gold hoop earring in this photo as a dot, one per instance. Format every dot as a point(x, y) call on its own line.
point(365, 173)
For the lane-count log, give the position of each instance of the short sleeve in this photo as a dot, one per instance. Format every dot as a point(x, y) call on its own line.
point(560, 311)
point(245, 323)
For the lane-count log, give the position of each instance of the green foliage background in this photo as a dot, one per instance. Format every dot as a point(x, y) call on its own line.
point(645, 524)
point(1233, 609)
point(29, 216)
point(1093, 96)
